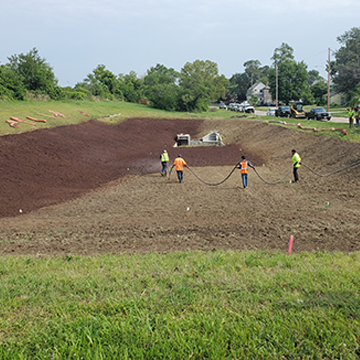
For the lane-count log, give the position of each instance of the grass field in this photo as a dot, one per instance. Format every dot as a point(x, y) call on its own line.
point(248, 305)
point(113, 112)
point(188, 305)
point(110, 112)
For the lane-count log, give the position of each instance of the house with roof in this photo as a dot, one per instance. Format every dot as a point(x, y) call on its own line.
point(261, 91)
point(337, 97)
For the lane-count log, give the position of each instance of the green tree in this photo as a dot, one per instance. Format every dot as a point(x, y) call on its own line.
point(11, 86)
point(252, 69)
point(100, 83)
point(92, 88)
point(293, 77)
point(108, 79)
point(314, 75)
point(254, 100)
point(238, 86)
point(131, 86)
point(104, 84)
point(292, 82)
point(282, 53)
point(318, 90)
point(199, 83)
point(35, 73)
point(160, 87)
point(255, 72)
point(346, 67)
point(264, 74)
point(355, 97)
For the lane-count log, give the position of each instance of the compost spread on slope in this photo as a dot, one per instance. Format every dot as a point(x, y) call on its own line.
point(93, 188)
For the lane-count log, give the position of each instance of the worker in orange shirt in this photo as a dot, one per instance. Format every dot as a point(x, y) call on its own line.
point(179, 164)
point(244, 165)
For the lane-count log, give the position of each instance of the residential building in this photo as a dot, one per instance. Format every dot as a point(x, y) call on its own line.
point(261, 91)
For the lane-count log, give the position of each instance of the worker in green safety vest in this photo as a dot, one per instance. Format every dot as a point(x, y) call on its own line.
point(296, 162)
point(164, 157)
point(357, 116)
point(351, 117)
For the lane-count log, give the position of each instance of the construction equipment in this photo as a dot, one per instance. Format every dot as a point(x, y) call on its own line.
point(297, 111)
point(213, 138)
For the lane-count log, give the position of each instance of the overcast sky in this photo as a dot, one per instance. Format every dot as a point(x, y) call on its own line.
point(75, 36)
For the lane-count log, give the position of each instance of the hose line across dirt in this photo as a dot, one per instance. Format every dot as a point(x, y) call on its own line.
point(313, 171)
point(275, 182)
point(269, 182)
point(333, 172)
point(207, 183)
point(216, 184)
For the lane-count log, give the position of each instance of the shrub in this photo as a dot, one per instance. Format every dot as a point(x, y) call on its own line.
point(76, 95)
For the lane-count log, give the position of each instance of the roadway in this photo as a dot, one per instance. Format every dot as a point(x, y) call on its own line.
point(333, 118)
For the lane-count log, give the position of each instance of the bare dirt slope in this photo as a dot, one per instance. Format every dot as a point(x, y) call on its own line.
point(93, 188)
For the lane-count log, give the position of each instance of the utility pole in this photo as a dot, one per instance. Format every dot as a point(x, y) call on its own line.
point(277, 91)
point(328, 83)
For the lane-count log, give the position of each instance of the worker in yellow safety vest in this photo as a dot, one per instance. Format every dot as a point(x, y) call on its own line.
point(296, 162)
point(164, 157)
point(244, 165)
point(351, 117)
point(357, 116)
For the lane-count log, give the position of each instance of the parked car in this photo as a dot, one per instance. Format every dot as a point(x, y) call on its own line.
point(318, 113)
point(239, 108)
point(282, 111)
point(231, 106)
point(271, 112)
point(222, 106)
point(248, 109)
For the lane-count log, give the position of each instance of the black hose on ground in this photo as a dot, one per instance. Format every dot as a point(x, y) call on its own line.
point(207, 183)
point(275, 182)
point(333, 172)
point(269, 182)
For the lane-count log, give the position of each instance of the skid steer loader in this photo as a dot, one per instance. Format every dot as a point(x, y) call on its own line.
point(297, 111)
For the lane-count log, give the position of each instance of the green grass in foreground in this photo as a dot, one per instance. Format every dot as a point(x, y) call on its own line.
point(247, 305)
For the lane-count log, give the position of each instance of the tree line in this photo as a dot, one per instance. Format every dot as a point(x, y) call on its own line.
point(195, 85)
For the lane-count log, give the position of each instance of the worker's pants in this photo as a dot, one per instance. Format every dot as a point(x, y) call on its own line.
point(244, 178)
point(164, 167)
point(180, 175)
point(296, 175)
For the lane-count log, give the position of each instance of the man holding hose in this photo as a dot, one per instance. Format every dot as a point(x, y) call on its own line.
point(179, 164)
point(244, 165)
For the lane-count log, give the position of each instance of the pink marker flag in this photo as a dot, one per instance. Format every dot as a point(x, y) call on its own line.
point(290, 244)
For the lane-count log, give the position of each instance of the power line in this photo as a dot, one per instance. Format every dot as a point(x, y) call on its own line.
point(321, 52)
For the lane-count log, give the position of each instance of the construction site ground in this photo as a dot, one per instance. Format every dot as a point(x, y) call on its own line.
point(93, 188)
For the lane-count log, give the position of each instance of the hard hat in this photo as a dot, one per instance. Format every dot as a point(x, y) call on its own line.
point(179, 155)
point(165, 151)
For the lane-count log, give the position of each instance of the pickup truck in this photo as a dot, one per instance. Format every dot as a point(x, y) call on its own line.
point(318, 113)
